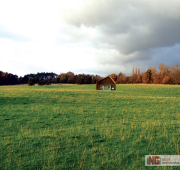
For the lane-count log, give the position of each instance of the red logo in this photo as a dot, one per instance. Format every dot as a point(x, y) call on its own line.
point(153, 160)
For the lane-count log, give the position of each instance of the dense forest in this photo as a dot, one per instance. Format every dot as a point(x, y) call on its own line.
point(162, 75)
point(48, 78)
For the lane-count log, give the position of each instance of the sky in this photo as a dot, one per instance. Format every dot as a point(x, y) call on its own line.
point(88, 36)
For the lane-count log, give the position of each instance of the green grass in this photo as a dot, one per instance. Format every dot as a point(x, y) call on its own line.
point(77, 127)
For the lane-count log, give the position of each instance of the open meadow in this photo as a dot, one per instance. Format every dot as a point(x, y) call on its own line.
point(77, 127)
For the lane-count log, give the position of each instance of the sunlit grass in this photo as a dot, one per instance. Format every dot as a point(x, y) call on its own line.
point(77, 127)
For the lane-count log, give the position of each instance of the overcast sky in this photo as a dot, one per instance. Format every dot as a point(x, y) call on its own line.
point(88, 36)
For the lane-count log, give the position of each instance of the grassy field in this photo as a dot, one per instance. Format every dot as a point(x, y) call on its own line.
point(77, 127)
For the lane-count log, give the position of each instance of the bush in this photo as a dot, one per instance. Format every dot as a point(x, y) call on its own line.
point(31, 82)
point(48, 83)
point(42, 82)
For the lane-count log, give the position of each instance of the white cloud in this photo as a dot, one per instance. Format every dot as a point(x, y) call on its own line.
point(91, 36)
point(39, 22)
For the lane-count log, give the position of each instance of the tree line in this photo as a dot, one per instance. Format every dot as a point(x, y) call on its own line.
point(48, 78)
point(162, 75)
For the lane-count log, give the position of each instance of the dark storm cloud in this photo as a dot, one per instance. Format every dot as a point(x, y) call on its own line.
point(138, 30)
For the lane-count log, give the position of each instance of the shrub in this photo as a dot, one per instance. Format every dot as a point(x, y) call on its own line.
point(42, 82)
point(48, 83)
point(31, 82)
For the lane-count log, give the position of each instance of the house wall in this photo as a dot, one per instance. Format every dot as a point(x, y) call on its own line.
point(114, 85)
point(106, 82)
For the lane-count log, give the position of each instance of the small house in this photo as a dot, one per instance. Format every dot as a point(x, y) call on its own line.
point(106, 83)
